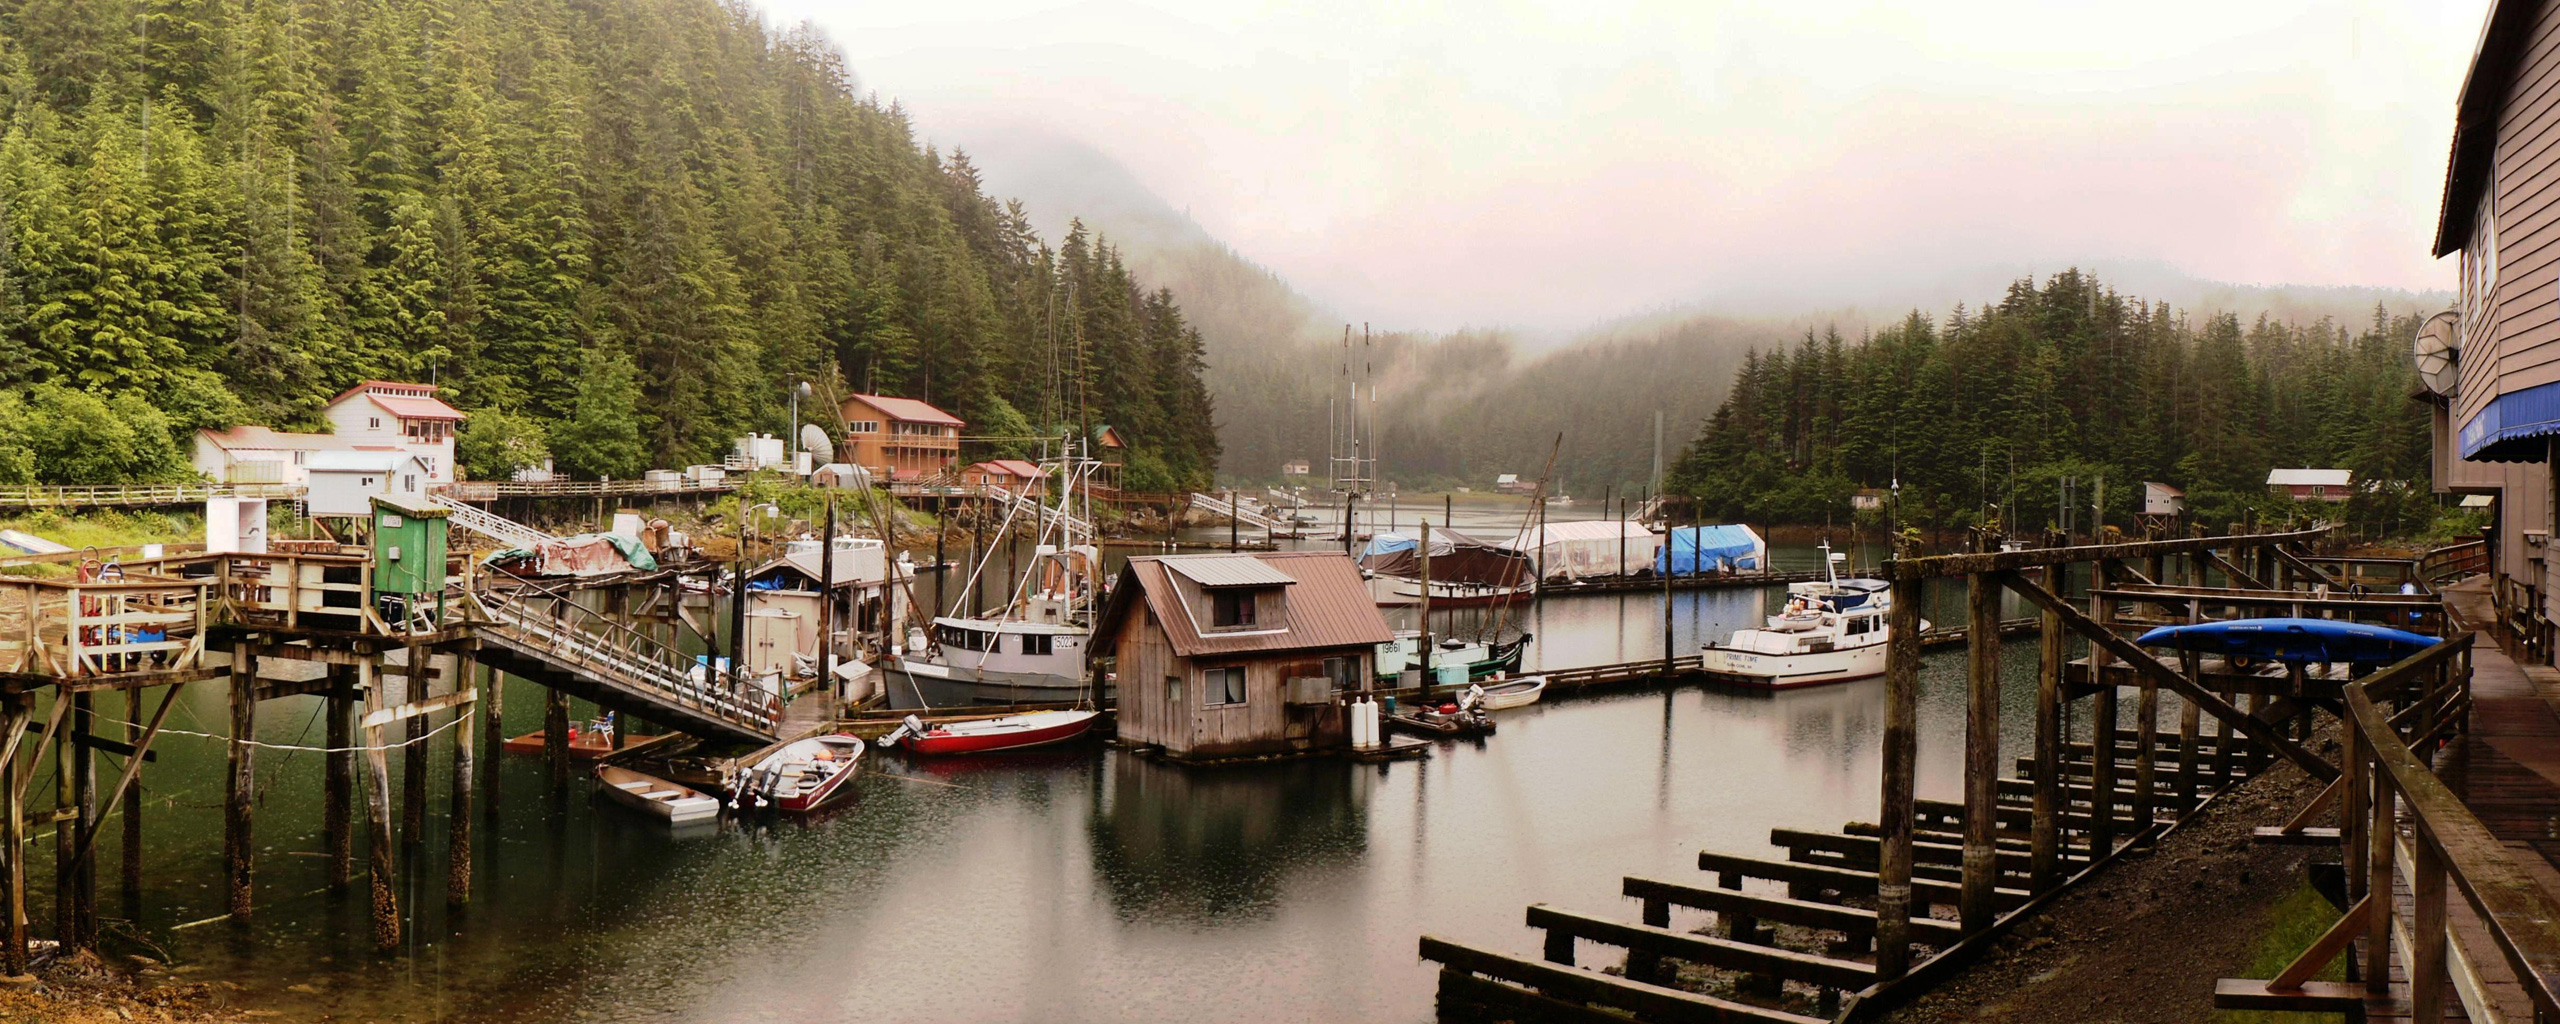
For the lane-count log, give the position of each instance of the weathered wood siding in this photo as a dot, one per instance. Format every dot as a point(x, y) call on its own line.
point(1264, 723)
point(2524, 198)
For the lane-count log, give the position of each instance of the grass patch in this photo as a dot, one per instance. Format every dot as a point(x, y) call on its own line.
point(2293, 924)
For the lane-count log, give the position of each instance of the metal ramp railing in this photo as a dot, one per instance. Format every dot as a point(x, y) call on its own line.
point(1243, 510)
point(488, 524)
point(1047, 514)
point(551, 640)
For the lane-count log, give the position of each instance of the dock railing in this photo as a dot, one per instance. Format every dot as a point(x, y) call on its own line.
point(2395, 721)
point(2451, 562)
point(87, 628)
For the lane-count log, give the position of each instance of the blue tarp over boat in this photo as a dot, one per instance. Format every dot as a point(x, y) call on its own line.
point(1688, 550)
point(2303, 641)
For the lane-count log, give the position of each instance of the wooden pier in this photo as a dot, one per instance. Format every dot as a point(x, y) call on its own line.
point(1893, 904)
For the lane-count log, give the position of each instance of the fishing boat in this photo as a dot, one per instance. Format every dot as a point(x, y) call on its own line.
point(802, 776)
point(1465, 572)
point(650, 794)
point(1483, 660)
point(1830, 631)
point(1505, 694)
point(1032, 651)
point(988, 735)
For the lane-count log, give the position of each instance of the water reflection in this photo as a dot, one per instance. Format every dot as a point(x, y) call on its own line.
point(1212, 848)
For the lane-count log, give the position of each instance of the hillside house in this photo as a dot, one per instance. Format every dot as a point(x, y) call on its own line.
point(1235, 655)
point(404, 417)
point(345, 483)
point(2312, 484)
point(2159, 499)
point(1014, 475)
point(899, 439)
point(1868, 499)
point(250, 454)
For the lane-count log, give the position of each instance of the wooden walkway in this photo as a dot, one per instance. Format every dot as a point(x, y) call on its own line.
point(2507, 770)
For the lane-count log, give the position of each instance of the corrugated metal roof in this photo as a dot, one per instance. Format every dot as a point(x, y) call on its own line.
point(1329, 607)
point(908, 410)
point(253, 436)
point(416, 408)
point(1227, 570)
point(2309, 477)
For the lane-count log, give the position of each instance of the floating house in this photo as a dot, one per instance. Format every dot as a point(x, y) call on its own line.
point(785, 608)
point(2311, 484)
point(899, 439)
point(1238, 655)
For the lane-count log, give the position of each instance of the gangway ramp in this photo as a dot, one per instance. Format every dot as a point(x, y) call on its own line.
point(1243, 510)
point(1047, 514)
point(488, 524)
point(551, 640)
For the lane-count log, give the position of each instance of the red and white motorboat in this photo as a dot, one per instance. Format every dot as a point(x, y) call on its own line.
point(802, 775)
point(1007, 732)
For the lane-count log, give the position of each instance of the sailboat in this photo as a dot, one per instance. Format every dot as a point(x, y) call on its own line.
point(1032, 651)
point(1830, 631)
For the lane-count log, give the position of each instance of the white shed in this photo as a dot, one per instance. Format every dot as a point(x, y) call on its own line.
point(345, 483)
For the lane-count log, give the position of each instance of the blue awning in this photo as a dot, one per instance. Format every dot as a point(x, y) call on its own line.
point(2514, 427)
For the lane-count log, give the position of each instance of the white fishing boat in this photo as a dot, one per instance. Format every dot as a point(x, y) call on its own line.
point(650, 794)
point(1829, 632)
point(1032, 650)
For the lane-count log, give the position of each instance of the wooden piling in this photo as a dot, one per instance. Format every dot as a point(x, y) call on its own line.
point(1901, 755)
point(339, 787)
point(377, 798)
point(2381, 835)
point(1981, 748)
point(555, 733)
point(2045, 840)
point(414, 687)
point(14, 773)
point(493, 733)
point(2103, 731)
point(83, 894)
point(238, 856)
point(458, 854)
point(131, 811)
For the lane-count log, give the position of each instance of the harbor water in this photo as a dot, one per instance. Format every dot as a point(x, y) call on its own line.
point(1080, 884)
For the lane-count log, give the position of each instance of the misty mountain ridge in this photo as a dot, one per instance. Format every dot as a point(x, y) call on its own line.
point(1276, 357)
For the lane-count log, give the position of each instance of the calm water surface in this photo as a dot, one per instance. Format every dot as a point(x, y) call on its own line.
point(1080, 885)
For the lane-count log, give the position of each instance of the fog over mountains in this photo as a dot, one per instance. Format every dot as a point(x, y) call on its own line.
point(1470, 401)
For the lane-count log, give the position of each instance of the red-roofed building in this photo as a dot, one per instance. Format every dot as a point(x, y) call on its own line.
point(394, 414)
point(899, 438)
point(1013, 475)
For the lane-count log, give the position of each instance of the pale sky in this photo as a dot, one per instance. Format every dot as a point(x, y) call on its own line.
point(1438, 165)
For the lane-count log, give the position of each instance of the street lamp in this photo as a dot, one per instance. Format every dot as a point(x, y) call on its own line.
point(798, 392)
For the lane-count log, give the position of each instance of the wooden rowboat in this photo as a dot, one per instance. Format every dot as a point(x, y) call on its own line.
point(670, 802)
point(1513, 693)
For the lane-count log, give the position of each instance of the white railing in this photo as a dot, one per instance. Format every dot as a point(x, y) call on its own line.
point(489, 524)
point(624, 657)
point(1243, 510)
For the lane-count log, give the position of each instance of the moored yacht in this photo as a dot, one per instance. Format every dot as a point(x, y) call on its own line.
point(1831, 631)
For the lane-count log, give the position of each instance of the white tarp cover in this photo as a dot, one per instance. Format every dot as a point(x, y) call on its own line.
point(1588, 548)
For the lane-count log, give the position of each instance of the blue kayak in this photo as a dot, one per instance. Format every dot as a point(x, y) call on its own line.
point(2303, 641)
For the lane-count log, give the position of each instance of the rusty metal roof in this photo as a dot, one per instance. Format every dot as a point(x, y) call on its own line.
point(1328, 605)
point(1227, 570)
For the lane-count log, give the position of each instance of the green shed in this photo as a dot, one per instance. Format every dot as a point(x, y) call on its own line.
point(408, 556)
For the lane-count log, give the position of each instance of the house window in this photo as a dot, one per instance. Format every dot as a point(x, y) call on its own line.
point(367, 484)
point(376, 422)
point(409, 482)
point(1173, 691)
point(1344, 672)
point(1036, 643)
point(297, 457)
point(1230, 608)
point(1222, 686)
point(863, 427)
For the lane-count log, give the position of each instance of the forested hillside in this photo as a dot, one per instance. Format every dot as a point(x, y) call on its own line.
point(1994, 405)
point(634, 222)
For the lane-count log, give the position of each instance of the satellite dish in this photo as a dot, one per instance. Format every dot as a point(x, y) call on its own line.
point(2439, 352)
point(813, 440)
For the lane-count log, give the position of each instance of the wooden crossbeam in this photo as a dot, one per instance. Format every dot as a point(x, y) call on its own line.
point(2237, 574)
point(1572, 983)
point(132, 768)
point(1805, 913)
point(52, 723)
point(1728, 954)
point(386, 716)
point(2306, 568)
point(2132, 654)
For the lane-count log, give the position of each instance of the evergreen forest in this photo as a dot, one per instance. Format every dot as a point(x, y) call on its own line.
point(1988, 413)
point(616, 231)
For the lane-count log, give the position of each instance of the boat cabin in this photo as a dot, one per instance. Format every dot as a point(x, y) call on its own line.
point(1236, 655)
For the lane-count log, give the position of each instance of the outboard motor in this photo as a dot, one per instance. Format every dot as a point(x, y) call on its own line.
point(911, 726)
